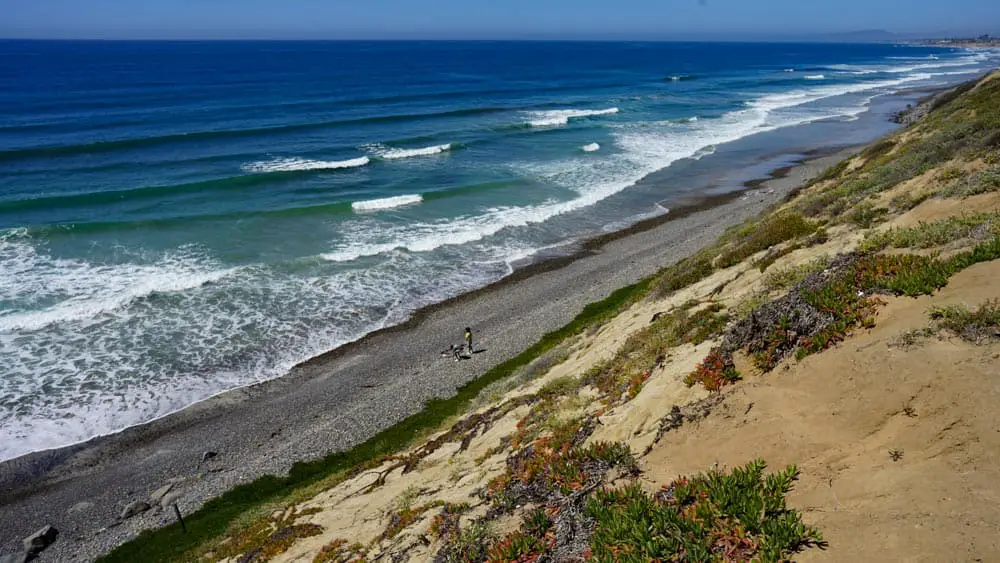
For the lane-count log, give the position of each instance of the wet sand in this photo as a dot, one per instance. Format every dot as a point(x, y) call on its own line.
point(341, 398)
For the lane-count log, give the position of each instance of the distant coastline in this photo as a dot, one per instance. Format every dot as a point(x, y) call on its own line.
point(985, 42)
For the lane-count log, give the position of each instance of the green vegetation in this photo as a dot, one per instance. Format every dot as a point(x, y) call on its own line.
point(764, 234)
point(471, 544)
point(445, 524)
point(621, 378)
point(865, 215)
point(935, 233)
point(684, 273)
point(906, 201)
point(340, 551)
point(974, 184)
point(404, 517)
point(784, 278)
point(268, 537)
point(975, 325)
point(740, 516)
point(714, 372)
point(826, 306)
point(963, 127)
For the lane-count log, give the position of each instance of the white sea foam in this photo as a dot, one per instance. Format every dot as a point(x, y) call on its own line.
point(643, 152)
point(789, 70)
point(386, 203)
point(294, 164)
point(390, 153)
point(76, 379)
point(47, 290)
point(815, 77)
point(559, 117)
point(592, 147)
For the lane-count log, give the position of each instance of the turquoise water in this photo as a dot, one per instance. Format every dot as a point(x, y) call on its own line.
point(178, 219)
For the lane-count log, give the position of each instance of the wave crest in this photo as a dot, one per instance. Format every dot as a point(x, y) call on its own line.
point(295, 164)
point(387, 202)
point(559, 117)
point(390, 153)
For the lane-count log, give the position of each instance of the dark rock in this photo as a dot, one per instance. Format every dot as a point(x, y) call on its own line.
point(137, 507)
point(37, 542)
point(208, 455)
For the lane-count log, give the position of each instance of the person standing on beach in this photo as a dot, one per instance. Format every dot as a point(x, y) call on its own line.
point(468, 338)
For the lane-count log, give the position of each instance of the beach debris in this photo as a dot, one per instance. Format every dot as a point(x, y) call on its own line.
point(207, 456)
point(80, 507)
point(180, 519)
point(171, 498)
point(37, 542)
point(137, 507)
point(157, 495)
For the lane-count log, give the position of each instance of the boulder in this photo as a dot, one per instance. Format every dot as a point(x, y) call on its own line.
point(37, 542)
point(137, 507)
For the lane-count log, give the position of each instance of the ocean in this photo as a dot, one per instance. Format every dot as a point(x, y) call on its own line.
point(182, 218)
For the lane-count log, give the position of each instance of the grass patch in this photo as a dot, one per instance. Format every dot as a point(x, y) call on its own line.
point(973, 184)
point(784, 278)
point(739, 516)
point(963, 127)
point(341, 551)
point(824, 308)
point(404, 517)
point(935, 233)
point(834, 171)
point(495, 391)
point(878, 149)
point(910, 338)
point(865, 215)
point(764, 234)
point(977, 325)
point(682, 274)
point(269, 536)
point(622, 377)
point(906, 201)
point(471, 544)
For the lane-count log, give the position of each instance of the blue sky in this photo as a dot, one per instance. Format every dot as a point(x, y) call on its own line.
point(462, 19)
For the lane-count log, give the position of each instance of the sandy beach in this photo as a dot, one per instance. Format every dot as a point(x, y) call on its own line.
point(344, 397)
